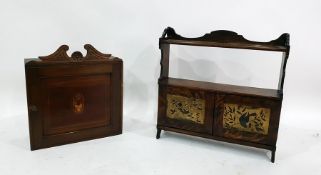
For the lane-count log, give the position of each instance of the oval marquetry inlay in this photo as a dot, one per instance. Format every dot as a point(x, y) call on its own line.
point(78, 103)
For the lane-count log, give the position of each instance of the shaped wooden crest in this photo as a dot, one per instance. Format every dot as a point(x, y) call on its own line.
point(61, 54)
point(225, 38)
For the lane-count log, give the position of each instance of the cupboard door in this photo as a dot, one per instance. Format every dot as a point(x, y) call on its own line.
point(76, 103)
point(67, 103)
point(252, 119)
point(185, 109)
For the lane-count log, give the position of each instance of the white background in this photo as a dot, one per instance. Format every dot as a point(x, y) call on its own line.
point(130, 30)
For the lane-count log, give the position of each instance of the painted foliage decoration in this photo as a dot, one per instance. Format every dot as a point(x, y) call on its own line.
point(246, 118)
point(186, 108)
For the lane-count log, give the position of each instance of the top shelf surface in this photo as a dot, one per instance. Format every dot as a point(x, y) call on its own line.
point(217, 87)
point(226, 39)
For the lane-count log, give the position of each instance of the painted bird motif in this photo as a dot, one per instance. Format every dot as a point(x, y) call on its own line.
point(245, 118)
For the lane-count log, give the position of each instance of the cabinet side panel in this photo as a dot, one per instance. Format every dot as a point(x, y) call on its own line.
point(161, 105)
point(34, 107)
point(117, 97)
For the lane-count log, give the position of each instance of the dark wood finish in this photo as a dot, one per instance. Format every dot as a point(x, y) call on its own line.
point(72, 99)
point(235, 114)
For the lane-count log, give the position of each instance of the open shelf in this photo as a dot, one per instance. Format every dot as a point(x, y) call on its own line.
point(224, 88)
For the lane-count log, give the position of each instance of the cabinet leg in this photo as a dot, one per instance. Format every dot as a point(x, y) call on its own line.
point(272, 156)
point(158, 133)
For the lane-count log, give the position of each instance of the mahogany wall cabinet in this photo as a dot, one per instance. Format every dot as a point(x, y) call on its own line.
point(236, 114)
point(75, 98)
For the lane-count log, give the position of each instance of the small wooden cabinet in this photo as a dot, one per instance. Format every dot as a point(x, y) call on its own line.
point(236, 114)
point(75, 98)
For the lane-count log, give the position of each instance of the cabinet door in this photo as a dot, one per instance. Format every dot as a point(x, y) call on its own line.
point(186, 109)
point(73, 103)
point(252, 119)
point(76, 103)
